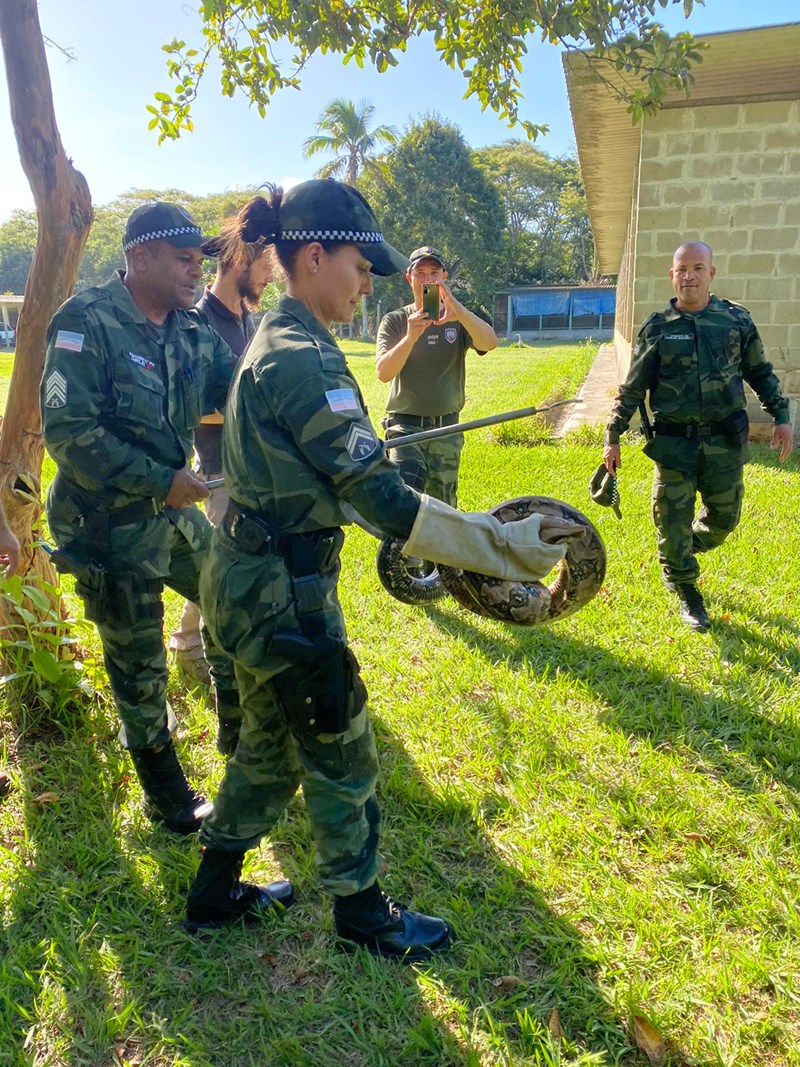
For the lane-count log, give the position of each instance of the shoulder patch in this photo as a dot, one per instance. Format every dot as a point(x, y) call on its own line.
point(55, 390)
point(71, 342)
point(342, 400)
point(361, 442)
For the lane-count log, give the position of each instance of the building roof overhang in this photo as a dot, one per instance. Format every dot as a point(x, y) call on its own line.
point(739, 67)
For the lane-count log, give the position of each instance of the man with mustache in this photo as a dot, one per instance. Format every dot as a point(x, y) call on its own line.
point(693, 359)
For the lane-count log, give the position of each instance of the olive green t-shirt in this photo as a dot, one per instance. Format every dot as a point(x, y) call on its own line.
point(432, 380)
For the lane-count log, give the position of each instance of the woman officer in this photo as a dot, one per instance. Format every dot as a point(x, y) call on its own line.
point(300, 454)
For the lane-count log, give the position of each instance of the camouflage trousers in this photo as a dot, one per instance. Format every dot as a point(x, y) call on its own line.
point(128, 610)
point(682, 535)
point(247, 599)
point(429, 466)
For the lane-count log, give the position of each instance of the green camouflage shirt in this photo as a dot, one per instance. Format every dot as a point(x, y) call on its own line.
point(298, 445)
point(694, 365)
point(432, 380)
point(121, 398)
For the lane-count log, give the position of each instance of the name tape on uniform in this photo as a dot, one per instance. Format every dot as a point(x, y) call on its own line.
point(142, 361)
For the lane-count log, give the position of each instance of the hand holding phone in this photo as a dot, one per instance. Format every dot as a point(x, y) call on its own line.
point(431, 300)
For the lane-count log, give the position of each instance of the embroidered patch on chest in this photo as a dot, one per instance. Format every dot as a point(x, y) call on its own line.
point(72, 342)
point(450, 334)
point(55, 390)
point(342, 400)
point(361, 442)
point(141, 361)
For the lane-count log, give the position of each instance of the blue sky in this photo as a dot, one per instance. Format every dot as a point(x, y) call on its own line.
point(100, 99)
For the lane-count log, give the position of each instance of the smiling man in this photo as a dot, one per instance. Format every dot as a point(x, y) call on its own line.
point(130, 369)
point(693, 359)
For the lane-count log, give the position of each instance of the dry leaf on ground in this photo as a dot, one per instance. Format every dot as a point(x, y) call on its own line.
point(649, 1040)
point(554, 1025)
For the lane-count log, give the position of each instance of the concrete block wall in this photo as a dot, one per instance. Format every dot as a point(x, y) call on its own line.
point(727, 174)
point(625, 325)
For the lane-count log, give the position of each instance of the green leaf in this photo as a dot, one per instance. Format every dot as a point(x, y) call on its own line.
point(45, 665)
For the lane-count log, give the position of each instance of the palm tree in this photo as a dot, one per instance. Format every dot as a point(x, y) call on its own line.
point(343, 129)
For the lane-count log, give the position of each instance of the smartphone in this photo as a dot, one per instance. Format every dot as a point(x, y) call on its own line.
point(430, 300)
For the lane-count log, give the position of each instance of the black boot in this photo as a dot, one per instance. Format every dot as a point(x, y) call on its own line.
point(229, 720)
point(692, 608)
point(169, 799)
point(218, 896)
point(371, 918)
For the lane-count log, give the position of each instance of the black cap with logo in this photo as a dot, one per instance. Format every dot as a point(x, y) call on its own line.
point(426, 252)
point(603, 490)
point(327, 210)
point(162, 222)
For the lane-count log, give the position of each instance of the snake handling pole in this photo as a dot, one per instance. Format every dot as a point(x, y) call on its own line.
point(474, 424)
point(443, 431)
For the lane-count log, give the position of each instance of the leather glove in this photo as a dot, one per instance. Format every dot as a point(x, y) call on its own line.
point(521, 551)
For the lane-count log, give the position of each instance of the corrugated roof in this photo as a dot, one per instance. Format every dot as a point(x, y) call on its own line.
point(739, 67)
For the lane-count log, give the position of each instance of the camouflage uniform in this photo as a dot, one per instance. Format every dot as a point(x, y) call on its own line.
point(694, 366)
point(428, 392)
point(299, 454)
point(236, 331)
point(120, 400)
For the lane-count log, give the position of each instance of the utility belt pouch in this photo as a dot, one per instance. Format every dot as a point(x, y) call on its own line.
point(737, 427)
point(321, 691)
point(90, 577)
point(107, 597)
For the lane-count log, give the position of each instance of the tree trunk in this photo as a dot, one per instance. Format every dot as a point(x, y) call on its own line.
point(64, 209)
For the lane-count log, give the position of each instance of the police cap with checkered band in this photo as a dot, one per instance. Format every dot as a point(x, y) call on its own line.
point(161, 221)
point(327, 210)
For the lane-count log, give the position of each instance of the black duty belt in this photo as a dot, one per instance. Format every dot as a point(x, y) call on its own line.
point(138, 511)
point(423, 422)
point(689, 430)
point(253, 533)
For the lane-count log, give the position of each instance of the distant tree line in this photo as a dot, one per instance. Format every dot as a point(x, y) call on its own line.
point(508, 214)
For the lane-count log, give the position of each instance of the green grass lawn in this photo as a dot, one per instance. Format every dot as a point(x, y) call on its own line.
point(607, 809)
point(6, 366)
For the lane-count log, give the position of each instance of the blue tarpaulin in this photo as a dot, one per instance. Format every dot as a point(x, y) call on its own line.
point(581, 301)
point(597, 302)
point(528, 304)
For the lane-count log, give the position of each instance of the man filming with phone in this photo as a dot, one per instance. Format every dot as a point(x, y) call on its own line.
point(421, 350)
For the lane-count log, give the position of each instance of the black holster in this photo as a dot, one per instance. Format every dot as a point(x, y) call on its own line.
point(321, 691)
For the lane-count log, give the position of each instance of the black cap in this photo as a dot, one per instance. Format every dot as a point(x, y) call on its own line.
point(163, 222)
point(327, 210)
point(426, 252)
point(604, 491)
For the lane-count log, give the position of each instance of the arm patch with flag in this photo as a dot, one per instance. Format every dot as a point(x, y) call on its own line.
point(66, 339)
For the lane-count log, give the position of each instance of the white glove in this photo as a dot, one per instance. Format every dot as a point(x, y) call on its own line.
point(475, 541)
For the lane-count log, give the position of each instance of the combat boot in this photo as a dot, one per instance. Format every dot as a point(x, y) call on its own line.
point(192, 662)
point(229, 720)
point(218, 896)
point(692, 609)
point(169, 799)
point(372, 919)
